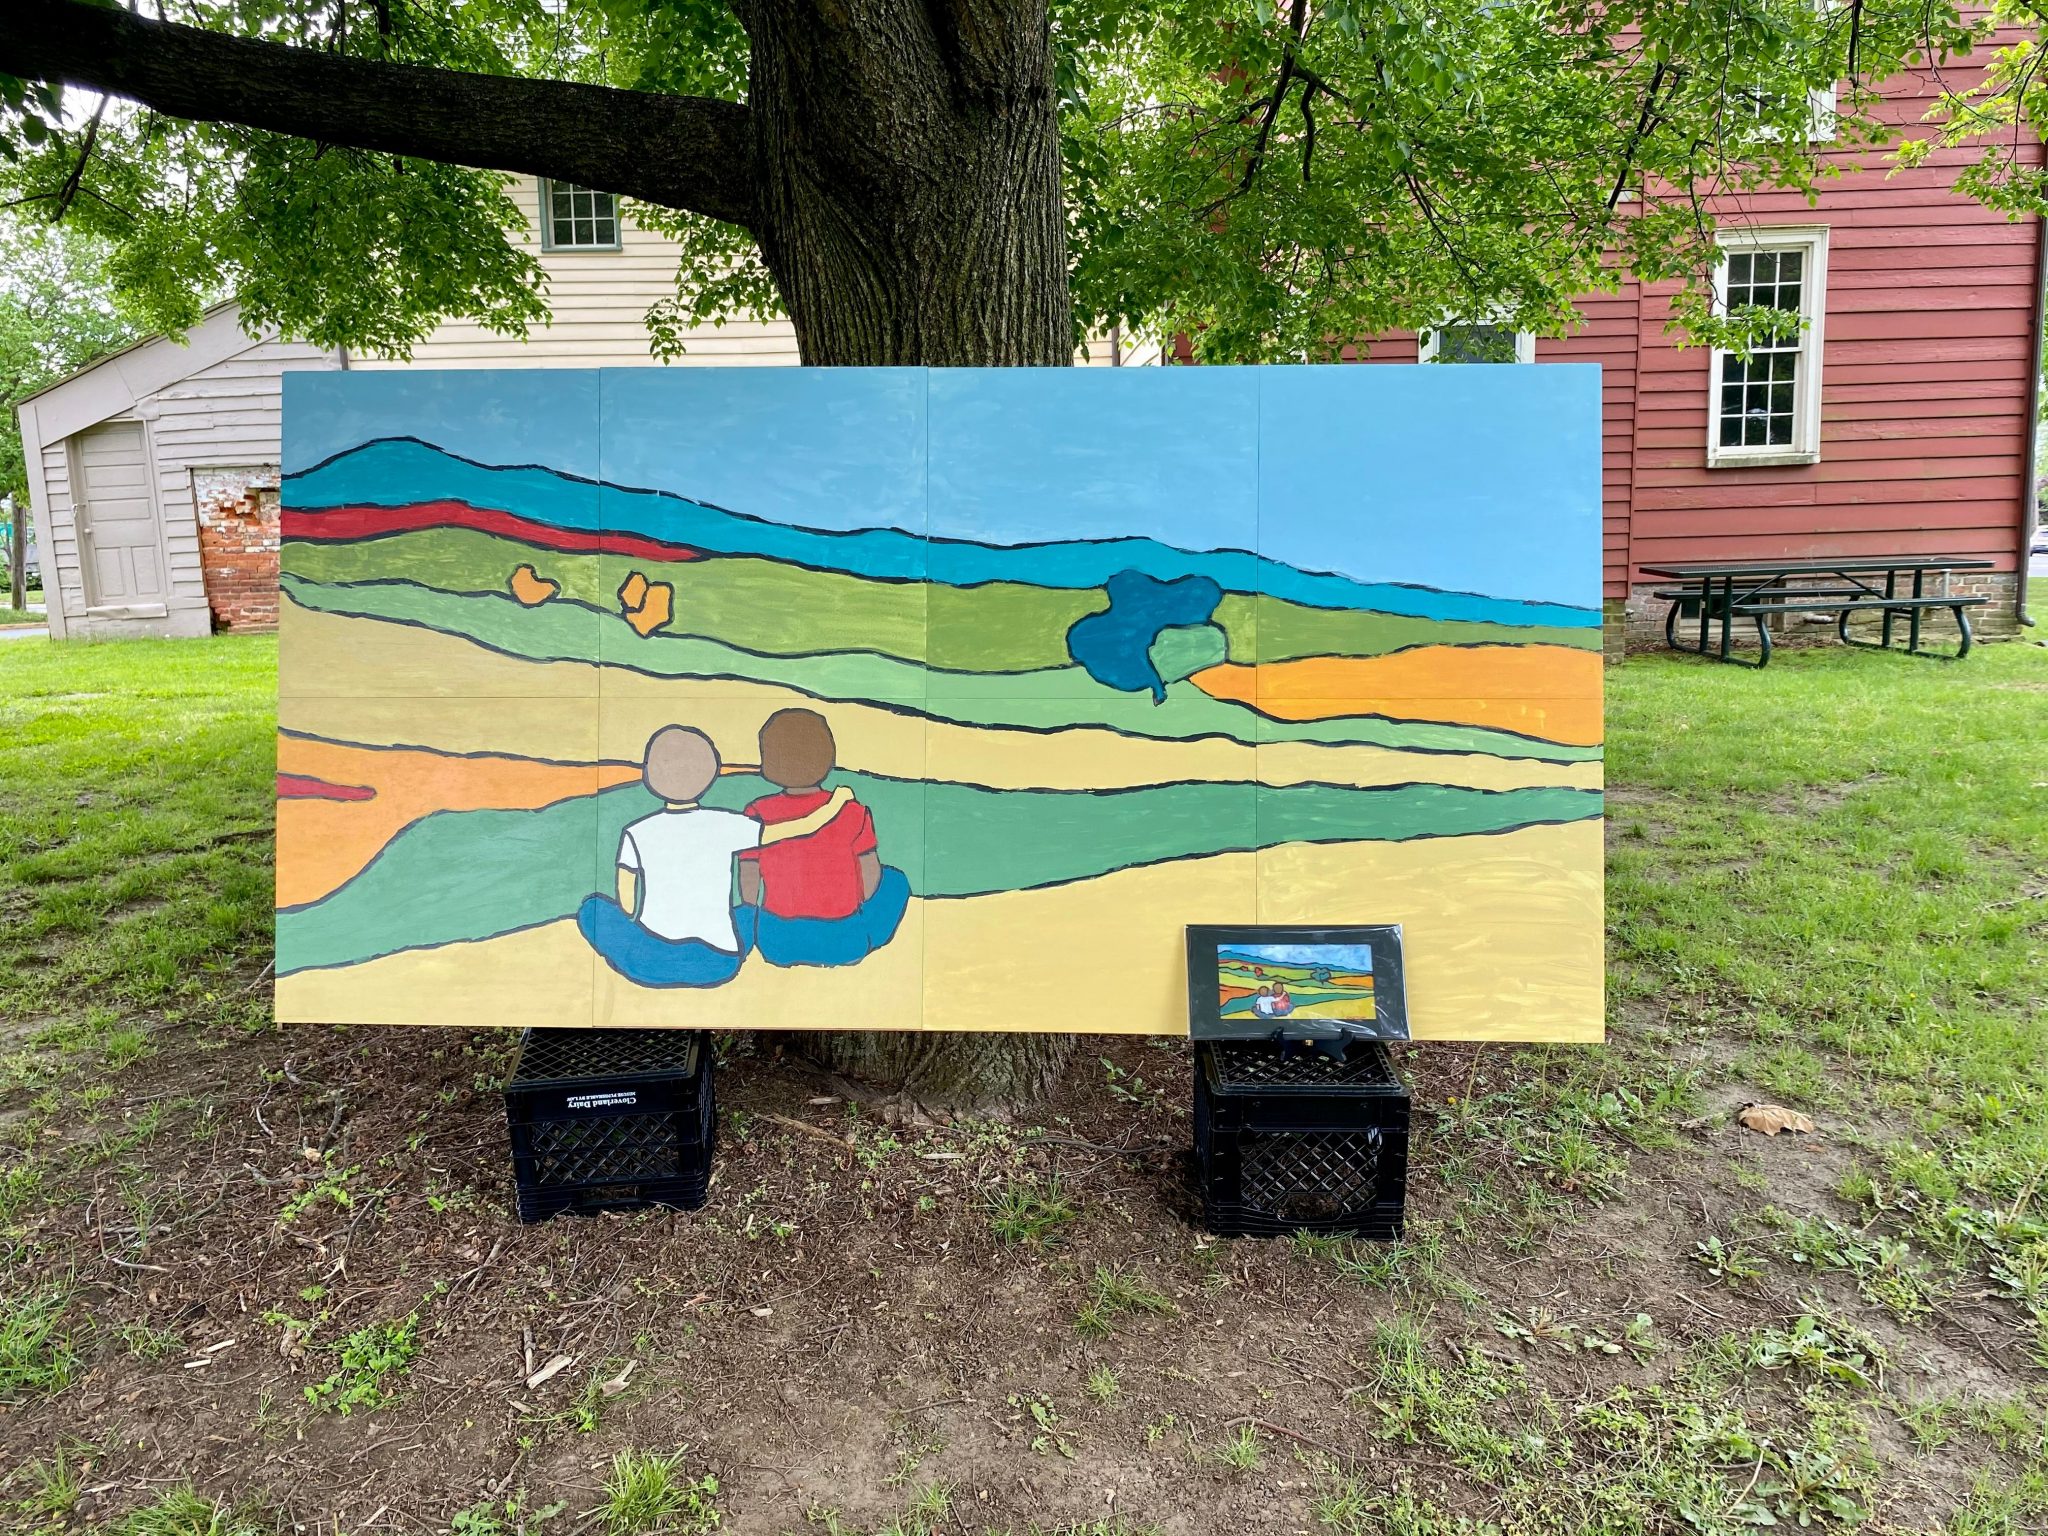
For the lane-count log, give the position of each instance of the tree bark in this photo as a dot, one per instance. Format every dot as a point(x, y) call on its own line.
point(908, 186)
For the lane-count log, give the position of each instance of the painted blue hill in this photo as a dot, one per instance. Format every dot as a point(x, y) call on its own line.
point(398, 471)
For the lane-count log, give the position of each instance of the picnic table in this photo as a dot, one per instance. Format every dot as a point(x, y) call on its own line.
point(1723, 591)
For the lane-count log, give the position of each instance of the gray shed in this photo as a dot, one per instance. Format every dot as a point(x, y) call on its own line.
point(124, 456)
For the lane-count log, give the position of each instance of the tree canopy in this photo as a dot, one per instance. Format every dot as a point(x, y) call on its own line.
point(1265, 176)
point(54, 316)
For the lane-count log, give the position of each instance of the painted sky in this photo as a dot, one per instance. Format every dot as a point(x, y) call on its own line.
point(1346, 957)
point(1470, 479)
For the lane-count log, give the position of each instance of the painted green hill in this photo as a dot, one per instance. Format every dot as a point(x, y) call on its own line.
point(767, 605)
point(756, 604)
point(445, 878)
point(1051, 699)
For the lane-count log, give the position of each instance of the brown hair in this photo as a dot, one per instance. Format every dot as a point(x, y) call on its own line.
point(681, 763)
point(797, 750)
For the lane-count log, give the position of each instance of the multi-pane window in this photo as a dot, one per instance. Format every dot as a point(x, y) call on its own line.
point(1483, 342)
point(576, 218)
point(1760, 393)
point(1764, 406)
point(1748, 107)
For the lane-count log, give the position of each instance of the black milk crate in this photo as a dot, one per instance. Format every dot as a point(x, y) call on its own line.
point(610, 1120)
point(1288, 1139)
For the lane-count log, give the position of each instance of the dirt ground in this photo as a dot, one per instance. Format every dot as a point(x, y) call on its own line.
point(841, 1327)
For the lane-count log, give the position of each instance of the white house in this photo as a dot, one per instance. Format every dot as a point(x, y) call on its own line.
point(153, 472)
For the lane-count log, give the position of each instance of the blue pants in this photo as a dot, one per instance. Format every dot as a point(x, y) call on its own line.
point(651, 960)
point(828, 940)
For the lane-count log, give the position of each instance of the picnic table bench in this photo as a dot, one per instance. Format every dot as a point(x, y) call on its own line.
point(1728, 590)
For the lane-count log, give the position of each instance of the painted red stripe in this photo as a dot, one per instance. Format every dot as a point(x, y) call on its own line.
point(342, 523)
point(299, 786)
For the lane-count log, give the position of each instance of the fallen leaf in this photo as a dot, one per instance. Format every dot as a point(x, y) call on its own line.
point(548, 1372)
point(1773, 1118)
point(617, 1384)
point(762, 1311)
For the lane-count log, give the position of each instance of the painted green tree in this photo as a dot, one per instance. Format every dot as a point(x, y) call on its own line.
point(965, 181)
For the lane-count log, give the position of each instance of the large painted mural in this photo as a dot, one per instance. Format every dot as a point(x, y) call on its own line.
point(895, 699)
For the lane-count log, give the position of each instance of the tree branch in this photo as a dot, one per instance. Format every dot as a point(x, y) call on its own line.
point(685, 152)
point(68, 193)
point(1644, 123)
point(1308, 125)
point(1267, 117)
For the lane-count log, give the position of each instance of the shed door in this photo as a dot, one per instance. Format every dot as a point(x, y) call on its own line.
point(119, 543)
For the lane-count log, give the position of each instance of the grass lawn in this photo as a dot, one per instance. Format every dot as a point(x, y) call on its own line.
point(276, 1267)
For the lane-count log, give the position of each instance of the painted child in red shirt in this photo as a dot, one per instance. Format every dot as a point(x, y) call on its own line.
point(819, 894)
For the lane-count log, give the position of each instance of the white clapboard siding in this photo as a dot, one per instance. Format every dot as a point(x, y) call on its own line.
point(598, 303)
point(211, 403)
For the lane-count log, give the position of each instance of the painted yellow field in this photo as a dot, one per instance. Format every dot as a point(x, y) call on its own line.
point(519, 708)
point(1501, 942)
point(1349, 1008)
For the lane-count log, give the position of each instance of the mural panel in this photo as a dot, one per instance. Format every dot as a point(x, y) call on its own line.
point(893, 699)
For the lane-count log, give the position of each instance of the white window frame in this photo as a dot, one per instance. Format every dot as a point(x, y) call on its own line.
point(1811, 240)
point(547, 221)
point(1821, 115)
point(1426, 342)
point(1821, 119)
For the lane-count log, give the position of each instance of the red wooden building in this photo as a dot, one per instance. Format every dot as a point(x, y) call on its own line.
point(1900, 421)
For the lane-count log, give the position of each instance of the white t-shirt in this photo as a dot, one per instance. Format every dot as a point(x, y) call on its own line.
point(684, 860)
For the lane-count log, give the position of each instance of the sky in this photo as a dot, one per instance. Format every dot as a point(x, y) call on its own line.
point(1346, 957)
point(1469, 479)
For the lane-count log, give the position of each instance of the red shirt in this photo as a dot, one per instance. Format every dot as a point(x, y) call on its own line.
point(817, 875)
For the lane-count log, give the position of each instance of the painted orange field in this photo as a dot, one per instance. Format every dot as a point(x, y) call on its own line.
point(331, 840)
point(1548, 691)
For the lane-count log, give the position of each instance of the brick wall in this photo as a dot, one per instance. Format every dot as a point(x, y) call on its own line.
point(238, 534)
point(1638, 624)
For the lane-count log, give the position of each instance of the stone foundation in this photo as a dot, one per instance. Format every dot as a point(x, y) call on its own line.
point(1638, 623)
point(238, 540)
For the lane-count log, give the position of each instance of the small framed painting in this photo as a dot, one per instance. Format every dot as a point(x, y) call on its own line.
point(1293, 983)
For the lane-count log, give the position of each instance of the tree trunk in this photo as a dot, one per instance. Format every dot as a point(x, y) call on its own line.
point(908, 204)
point(17, 555)
point(907, 172)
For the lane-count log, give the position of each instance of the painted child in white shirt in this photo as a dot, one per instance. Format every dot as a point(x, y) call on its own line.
point(672, 924)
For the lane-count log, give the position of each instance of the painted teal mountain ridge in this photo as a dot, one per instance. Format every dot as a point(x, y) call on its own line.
point(402, 471)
